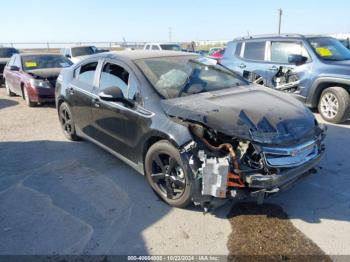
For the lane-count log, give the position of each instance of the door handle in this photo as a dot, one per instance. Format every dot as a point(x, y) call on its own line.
point(71, 91)
point(242, 66)
point(96, 102)
point(273, 68)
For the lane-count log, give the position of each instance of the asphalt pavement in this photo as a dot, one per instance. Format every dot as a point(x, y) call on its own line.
point(62, 197)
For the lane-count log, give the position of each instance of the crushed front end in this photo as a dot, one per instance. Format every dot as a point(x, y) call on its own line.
point(226, 167)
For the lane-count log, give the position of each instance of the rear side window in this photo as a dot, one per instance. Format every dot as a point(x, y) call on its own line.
point(281, 50)
point(114, 76)
point(154, 47)
point(17, 61)
point(254, 50)
point(87, 73)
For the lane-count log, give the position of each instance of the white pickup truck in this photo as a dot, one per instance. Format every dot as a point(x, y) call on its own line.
point(77, 53)
point(162, 46)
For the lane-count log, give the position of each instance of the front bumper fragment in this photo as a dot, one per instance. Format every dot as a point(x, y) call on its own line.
point(286, 177)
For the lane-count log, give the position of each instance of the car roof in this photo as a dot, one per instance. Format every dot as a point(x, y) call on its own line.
point(77, 46)
point(142, 54)
point(276, 36)
point(162, 43)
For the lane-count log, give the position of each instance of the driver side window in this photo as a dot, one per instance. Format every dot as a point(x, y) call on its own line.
point(114, 76)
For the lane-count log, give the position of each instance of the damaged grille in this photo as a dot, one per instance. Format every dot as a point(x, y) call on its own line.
point(290, 156)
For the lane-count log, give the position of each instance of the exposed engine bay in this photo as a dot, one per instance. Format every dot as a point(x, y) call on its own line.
point(229, 168)
point(286, 79)
point(241, 146)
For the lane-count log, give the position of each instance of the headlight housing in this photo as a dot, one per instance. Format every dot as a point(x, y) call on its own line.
point(39, 83)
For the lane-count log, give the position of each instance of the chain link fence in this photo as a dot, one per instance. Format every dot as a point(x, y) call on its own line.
point(56, 46)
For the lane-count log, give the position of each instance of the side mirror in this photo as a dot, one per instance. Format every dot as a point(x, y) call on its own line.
point(115, 94)
point(297, 59)
point(14, 68)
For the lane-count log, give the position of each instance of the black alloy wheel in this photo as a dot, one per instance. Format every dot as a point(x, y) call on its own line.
point(167, 174)
point(67, 122)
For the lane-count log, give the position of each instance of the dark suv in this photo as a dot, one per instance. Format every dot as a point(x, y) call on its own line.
point(315, 69)
point(5, 55)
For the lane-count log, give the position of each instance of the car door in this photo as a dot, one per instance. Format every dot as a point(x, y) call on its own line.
point(9, 74)
point(155, 47)
point(117, 125)
point(16, 76)
point(80, 94)
point(252, 61)
point(278, 53)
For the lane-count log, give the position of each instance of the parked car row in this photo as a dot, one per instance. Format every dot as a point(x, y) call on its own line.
point(33, 76)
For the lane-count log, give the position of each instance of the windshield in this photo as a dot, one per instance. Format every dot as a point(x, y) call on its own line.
point(33, 62)
point(81, 51)
point(171, 47)
point(7, 52)
point(329, 49)
point(185, 75)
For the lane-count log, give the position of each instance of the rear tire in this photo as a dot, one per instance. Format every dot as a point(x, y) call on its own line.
point(67, 122)
point(27, 98)
point(8, 90)
point(167, 174)
point(334, 105)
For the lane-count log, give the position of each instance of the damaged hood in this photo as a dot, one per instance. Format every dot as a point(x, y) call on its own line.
point(251, 112)
point(49, 73)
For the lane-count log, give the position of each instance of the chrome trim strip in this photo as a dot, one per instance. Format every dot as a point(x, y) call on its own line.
point(289, 150)
point(290, 156)
point(84, 91)
point(141, 111)
point(290, 161)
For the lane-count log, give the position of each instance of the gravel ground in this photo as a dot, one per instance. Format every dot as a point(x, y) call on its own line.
point(74, 198)
point(266, 231)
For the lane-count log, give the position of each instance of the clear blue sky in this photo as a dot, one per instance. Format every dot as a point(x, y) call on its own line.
point(111, 20)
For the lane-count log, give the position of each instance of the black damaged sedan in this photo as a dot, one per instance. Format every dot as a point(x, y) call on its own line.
point(199, 132)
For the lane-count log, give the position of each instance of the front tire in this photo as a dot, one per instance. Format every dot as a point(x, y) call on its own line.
point(8, 90)
point(334, 105)
point(27, 98)
point(167, 174)
point(67, 122)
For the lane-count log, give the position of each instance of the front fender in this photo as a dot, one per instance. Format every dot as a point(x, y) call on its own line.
point(320, 84)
